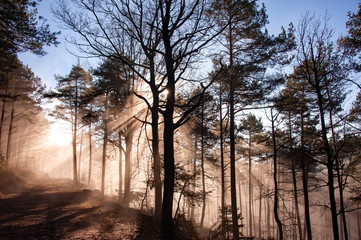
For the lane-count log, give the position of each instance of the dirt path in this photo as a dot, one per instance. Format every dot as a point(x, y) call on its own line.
point(56, 210)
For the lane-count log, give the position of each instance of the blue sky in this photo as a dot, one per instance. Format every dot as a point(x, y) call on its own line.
point(280, 12)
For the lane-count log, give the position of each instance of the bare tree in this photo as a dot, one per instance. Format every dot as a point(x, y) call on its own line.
point(322, 68)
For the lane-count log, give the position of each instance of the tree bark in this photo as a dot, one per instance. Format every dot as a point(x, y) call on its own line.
point(104, 154)
point(75, 129)
point(339, 177)
point(222, 165)
point(195, 155)
point(275, 207)
point(235, 230)
point(120, 170)
point(80, 151)
point(203, 172)
point(167, 206)
point(260, 210)
point(90, 153)
point(329, 164)
point(304, 166)
point(2, 123)
point(155, 149)
point(294, 179)
point(268, 219)
point(8, 147)
point(168, 134)
point(358, 224)
point(129, 133)
point(250, 192)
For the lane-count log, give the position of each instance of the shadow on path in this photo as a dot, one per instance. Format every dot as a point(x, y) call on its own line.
point(59, 211)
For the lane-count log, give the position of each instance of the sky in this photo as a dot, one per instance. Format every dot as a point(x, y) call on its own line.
point(59, 61)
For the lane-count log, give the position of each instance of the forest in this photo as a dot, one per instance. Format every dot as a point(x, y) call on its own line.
point(194, 115)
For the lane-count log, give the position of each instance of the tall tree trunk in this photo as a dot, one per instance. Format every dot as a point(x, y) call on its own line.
point(104, 154)
point(203, 173)
point(235, 230)
point(8, 147)
point(90, 153)
point(195, 155)
point(80, 151)
point(260, 210)
point(275, 207)
point(75, 171)
point(2, 123)
point(129, 134)
point(168, 134)
point(304, 166)
point(250, 192)
point(75, 129)
point(223, 213)
point(330, 165)
point(339, 176)
point(359, 223)
point(268, 219)
point(120, 172)
point(169, 168)
point(156, 155)
point(239, 193)
point(294, 179)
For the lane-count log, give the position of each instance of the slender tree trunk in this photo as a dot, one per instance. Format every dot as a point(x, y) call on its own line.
point(128, 164)
point(268, 219)
point(339, 177)
point(358, 224)
point(260, 210)
point(75, 129)
point(120, 172)
point(104, 154)
point(294, 180)
point(341, 229)
point(275, 208)
point(8, 147)
point(329, 164)
point(2, 123)
point(80, 151)
point(203, 172)
point(235, 230)
point(90, 153)
point(195, 155)
point(304, 166)
point(240, 193)
point(156, 155)
point(222, 164)
point(180, 197)
point(75, 171)
point(250, 192)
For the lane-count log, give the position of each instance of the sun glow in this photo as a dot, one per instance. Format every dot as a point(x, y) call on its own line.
point(60, 134)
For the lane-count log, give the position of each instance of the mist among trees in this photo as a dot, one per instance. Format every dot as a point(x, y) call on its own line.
point(194, 115)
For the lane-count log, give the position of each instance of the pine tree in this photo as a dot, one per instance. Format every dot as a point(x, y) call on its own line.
point(69, 91)
point(248, 50)
point(21, 31)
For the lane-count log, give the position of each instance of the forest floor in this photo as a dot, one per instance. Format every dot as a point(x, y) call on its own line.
point(45, 208)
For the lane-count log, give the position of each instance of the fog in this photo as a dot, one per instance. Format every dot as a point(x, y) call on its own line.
point(263, 144)
point(47, 147)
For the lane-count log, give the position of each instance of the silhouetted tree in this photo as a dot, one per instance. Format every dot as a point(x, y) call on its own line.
point(22, 93)
point(69, 91)
point(21, 31)
point(250, 126)
point(323, 69)
point(248, 49)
